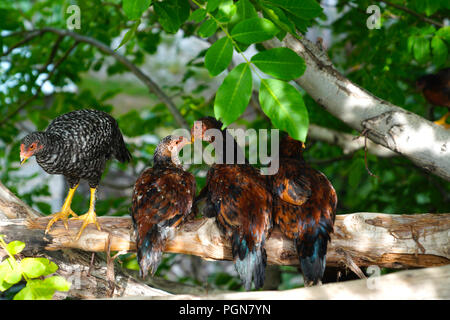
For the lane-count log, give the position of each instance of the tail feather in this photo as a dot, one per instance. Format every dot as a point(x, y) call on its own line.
point(150, 252)
point(249, 264)
point(312, 258)
point(121, 152)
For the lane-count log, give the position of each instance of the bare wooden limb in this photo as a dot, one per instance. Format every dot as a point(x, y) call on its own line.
point(12, 207)
point(348, 142)
point(424, 143)
point(88, 277)
point(429, 283)
point(394, 241)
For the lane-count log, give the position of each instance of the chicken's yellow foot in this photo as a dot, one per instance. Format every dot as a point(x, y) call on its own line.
point(442, 121)
point(65, 212)
point(89, 217)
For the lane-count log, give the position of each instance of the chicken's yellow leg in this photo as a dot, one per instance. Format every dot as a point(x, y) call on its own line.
point(65, 212)
point(442, 121)
point(90, 216)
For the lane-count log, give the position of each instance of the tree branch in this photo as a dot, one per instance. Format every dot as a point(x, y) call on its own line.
point(348, 142)
point(430, 283)
point(394, 241)
point(30, 36)
point(151, 85)
point(148, 82)
point(411, 12)
point(423, 142)
point(49, 75)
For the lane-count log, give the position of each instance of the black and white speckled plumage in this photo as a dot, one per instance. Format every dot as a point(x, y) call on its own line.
point(78, 144)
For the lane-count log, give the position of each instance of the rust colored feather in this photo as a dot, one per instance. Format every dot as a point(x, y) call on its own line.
point(162, 199)
point(304, 206)
point(240, 199)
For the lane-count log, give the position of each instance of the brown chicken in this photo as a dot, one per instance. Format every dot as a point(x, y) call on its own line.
point(436, 89)
point(304, 208)
point(162, 199)
point(240, 199)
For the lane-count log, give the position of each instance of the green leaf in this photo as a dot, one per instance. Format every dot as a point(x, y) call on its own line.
point(304, 9)
point(5, 270)
point(244, 10)
point(254, 30)
point(234, 94)
point(284, 105)
point(131, 264)
point(218, 56)
point(172, 14)
point(281, 63)
point(212, 5)
point(25, 294)
point(10, 19)
point(11, 271)
point(300, 23)
point(35, 290)
point(198, 15)
point(36, 267)
point(15, 247)
point(57, 282)
point(207, 29)
point(278, 17)
point(444, 33)
point(427, 6)
point(356, 171)
point(421, 49)
point(130, 33)
point(135, 8)
point(439, 50)
point(226, 11)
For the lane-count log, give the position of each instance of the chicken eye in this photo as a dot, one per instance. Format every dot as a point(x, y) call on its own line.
point(32, 147)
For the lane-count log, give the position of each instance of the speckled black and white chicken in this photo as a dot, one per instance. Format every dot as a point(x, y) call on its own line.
point(77, 145)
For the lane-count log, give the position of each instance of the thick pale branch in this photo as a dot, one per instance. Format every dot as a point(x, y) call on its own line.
point(395, 241)
point(348, 142)
point(423, 142)
point(429, 283)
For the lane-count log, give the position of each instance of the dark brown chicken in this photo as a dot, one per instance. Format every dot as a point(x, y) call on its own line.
point(162, 199)
point(240, 199)
point(436, 89)
point(304, 208)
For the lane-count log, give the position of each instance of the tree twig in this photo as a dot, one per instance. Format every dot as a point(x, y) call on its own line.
point(153, 87)
point(39, 88)
point(412, 12)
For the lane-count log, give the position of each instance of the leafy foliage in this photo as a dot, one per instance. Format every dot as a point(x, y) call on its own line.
point(230, 69)
point(31, 270)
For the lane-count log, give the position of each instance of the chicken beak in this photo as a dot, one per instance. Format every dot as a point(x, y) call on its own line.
point(23, 159)
point(192, 139)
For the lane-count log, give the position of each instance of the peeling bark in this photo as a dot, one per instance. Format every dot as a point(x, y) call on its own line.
point(394, 241)
point(423, 142)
